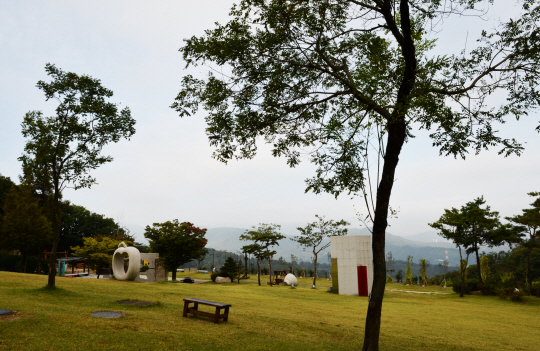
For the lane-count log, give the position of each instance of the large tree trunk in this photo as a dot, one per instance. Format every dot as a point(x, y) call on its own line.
point(174, 275)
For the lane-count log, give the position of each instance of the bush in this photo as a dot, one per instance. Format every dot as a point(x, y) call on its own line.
point(145, 268)
point(471, 285)
point(507, 293)
point(214, 275)
point(264, 271)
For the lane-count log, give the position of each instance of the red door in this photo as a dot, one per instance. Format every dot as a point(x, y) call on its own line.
point(362, 281)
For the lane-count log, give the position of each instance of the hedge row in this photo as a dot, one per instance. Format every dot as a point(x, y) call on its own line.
point(13, 263)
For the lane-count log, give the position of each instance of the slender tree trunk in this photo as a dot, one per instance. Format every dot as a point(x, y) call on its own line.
point(314, 268)
point(56, 234)
point(529, 249)
point(396, 131)
point(478, 266)
point(39, 256)
point(270, 265)
point(23, 265)
point(259, 272)
point(396, 137)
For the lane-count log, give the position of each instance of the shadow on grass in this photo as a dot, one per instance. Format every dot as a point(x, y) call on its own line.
point(52, 291)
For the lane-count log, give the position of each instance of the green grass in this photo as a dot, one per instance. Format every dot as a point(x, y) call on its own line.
point(261, 318)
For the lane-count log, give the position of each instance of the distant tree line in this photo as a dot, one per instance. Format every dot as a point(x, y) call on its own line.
point(508, 274)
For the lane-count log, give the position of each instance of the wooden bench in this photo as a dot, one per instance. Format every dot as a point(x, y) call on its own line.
point(216, 315)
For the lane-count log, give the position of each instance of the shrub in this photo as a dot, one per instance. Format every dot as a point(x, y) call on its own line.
point(389, 280)
point(470, 285)
point(264, 271)
point(12, 263)
point(145, 268)
point(507, 293)
point(214, 275)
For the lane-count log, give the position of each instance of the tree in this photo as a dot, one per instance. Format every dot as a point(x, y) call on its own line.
point(232, 269)
point(201, 257)
point(423, 271)
point(24, 227)
point(61, 150)
point(177, 243)
point(390, 263)
point(484, 268)
point(529, 223)
point(451, 226)
point(408, 273)
point(264, 237)
point(399, 276)
point(313, 235)
point(5, 186)
point(336, 76)
point(98, 251)
point(479, 226)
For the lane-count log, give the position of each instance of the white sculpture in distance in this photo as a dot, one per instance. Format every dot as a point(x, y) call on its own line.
point(134, 267)
point(221, 280)
point(290, 279)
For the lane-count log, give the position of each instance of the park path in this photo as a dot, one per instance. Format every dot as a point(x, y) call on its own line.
point(418, 292)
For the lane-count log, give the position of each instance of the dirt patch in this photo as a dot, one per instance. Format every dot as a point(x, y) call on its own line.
point(135, 302)
point(14, 316)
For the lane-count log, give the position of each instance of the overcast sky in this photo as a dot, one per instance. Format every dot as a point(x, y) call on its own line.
point(166, 171)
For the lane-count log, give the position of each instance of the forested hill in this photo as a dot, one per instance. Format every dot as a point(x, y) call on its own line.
point(227, 238)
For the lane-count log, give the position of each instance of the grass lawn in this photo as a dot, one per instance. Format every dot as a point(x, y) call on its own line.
point(261, 318)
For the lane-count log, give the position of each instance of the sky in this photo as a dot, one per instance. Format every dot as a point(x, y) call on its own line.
point(166, 171)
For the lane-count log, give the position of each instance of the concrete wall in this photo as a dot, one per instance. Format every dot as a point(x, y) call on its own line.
point(350, 252)
point(156, 272)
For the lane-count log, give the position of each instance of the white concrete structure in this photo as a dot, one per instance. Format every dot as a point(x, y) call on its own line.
point(349, 252)
point(134, 267)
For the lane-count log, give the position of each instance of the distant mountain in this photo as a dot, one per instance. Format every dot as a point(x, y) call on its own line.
point(227, 238)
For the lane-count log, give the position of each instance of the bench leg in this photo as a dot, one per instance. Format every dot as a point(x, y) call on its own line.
point(216, 315)
point(226, 314)
point(186, 307)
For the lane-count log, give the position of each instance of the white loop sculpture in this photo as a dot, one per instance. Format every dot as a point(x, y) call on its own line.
point(134, 267)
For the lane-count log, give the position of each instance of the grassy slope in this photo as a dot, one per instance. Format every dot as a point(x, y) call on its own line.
point(262, 318)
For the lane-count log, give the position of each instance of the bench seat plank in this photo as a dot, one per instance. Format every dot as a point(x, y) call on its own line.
point(209, 303)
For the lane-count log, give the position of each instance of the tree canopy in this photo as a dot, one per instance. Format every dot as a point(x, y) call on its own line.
point(177, 243)
point(331, 78)
point(63, 149)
